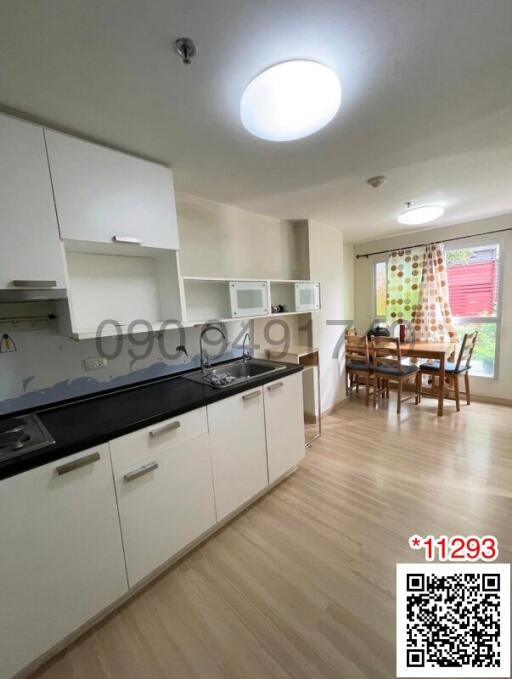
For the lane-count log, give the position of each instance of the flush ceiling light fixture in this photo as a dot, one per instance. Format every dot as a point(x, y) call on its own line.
point(421, 214)
point(290, 100)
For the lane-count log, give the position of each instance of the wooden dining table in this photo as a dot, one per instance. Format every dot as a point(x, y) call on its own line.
point(439, 351)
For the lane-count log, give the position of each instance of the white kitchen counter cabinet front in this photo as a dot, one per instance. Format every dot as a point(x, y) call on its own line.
point(69, 551)
point(164, 486)
point(239, 456)
point(61, 559)
point(284, 420)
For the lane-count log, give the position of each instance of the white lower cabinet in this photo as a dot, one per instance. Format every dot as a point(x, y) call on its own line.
point(284, 420)
point(62, 535)
point(163, 479)
point(61, 559)
point(239, 456)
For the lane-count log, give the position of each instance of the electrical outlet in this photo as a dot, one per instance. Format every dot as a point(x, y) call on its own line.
point(95, 363)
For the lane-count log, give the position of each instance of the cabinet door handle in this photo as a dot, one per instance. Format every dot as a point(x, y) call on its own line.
point(137, 473)
point(163, 430)
point(276, 385)
point(33, 284)
point(127, 239)
point(76, 464)
point(253, 394)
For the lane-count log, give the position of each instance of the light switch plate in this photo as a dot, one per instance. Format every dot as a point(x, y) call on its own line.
point(95, 363)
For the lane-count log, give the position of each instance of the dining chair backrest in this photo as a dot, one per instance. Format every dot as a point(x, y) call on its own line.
point(386, 351)
point(466, 350)
point(356, 349)
point(351, 332)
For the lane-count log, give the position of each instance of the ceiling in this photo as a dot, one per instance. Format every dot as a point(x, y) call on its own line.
point(427, 98)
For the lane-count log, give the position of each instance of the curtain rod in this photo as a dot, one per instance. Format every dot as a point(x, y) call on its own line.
point(419, 245)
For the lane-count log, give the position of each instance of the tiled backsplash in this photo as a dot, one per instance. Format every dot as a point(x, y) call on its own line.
point(47, 368)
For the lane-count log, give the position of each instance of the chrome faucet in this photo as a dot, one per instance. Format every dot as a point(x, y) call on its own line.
point(246, 355)
point(204, 359)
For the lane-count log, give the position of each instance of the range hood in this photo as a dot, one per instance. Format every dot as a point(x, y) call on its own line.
point(27, 291)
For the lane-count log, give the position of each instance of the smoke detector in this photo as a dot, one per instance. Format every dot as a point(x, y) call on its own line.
point(185, 48)
point(376, 182)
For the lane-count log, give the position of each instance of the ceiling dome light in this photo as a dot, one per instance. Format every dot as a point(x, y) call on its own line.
point(290, 100)
point(421, 214)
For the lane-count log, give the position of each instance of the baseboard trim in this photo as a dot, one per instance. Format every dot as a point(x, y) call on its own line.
point(336, 406)
point(480, 398)
point(495, 400)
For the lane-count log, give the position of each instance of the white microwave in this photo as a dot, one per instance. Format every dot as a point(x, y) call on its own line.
point(307, 296)
point(248, 298)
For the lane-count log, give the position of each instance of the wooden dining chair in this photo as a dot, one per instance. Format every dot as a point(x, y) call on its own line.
point(357, 364)
point(454, 370)
point(387, 363)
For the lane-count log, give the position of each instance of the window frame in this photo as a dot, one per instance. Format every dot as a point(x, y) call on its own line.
point(475, 242)
point(383, 260)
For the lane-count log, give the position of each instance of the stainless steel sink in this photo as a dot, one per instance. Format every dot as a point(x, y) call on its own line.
point(226, 375)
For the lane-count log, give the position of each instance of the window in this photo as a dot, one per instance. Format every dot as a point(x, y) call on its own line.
point(473, 282)
point(380, 274)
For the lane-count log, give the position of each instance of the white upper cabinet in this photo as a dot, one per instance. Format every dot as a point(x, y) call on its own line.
point(30, 250)
point(248, 298)
point(284, 420)
point(106, 196)
point(307, 296)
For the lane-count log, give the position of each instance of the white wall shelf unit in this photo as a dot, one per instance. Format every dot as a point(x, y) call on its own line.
point(121, 283)
point(206, 299)
point(295, 296)
point(212, 299)
point(224, 299)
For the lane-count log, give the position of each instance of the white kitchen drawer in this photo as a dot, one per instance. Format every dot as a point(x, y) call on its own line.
point(165, 501)
point(132, 448)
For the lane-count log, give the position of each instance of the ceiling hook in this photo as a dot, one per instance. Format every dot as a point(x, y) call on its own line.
point(185, 48)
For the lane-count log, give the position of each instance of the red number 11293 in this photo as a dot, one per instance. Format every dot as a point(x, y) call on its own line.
point(457, 547)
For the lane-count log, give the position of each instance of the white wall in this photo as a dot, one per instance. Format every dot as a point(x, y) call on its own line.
point(222, 240)
point(326, 263)
point(348, 280)
point(329, 261)
point(501, 387)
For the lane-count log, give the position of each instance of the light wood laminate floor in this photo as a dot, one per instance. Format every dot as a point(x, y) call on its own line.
point(302, 584)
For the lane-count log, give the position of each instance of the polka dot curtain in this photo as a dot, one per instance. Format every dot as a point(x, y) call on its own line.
point(432, 319)
point(405, 269)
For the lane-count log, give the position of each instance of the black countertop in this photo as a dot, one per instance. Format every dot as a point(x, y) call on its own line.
point(93, 420)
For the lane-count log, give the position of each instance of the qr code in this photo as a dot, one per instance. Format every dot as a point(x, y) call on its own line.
point(453, 620)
